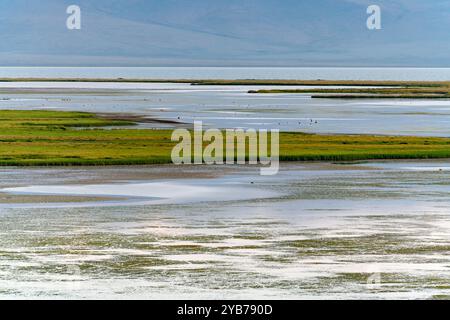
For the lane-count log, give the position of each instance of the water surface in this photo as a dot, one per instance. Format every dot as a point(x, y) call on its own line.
point(233, 106)
point(407, 74)
point(323, 231)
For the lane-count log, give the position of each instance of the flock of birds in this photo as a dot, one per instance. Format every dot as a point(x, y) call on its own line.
point(311, 122)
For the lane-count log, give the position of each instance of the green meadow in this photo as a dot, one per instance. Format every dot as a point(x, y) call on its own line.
point(57, 138)
point(384, 90)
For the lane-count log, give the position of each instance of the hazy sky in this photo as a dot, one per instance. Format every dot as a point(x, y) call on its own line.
point(225, 33)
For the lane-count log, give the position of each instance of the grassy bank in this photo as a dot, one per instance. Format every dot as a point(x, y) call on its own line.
point(418, 91)
point(73, 138)
point(325, 83)
point(379, 96)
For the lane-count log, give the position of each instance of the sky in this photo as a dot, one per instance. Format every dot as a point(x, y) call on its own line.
point(414, 33)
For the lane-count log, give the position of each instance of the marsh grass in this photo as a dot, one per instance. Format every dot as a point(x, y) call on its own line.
point(381, 90)
point(56, 138)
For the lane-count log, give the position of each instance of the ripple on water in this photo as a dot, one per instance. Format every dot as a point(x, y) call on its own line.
point(298, 245)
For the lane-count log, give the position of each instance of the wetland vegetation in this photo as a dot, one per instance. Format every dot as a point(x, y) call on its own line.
point(79, 138)
point(373, 89)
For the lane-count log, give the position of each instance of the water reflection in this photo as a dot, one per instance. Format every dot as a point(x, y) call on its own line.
point(232, 106)
point(328, 229)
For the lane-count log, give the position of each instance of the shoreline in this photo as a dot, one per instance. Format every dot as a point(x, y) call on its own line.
point(353, 89)
point(419, 91)
point(242, 82)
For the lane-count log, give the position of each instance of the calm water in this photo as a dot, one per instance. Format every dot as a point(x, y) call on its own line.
point(313, 231)
point(231, 73)
point(232, 106)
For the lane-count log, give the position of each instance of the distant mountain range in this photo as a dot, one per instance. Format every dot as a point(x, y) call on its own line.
point(225, 33)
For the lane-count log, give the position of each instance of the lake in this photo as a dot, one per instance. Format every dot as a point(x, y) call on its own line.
point(407, 74)
point(313, 231)
point(234, 107)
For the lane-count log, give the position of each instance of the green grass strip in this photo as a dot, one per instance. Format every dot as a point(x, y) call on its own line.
point(56, 138)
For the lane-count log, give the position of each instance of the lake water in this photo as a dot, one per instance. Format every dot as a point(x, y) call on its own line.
point(313, 231)
point(233, 106)
point(434, 74)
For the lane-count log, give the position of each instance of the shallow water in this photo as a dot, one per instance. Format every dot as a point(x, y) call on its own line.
point(232, 106)
point(408, 74)
point(313, 231)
